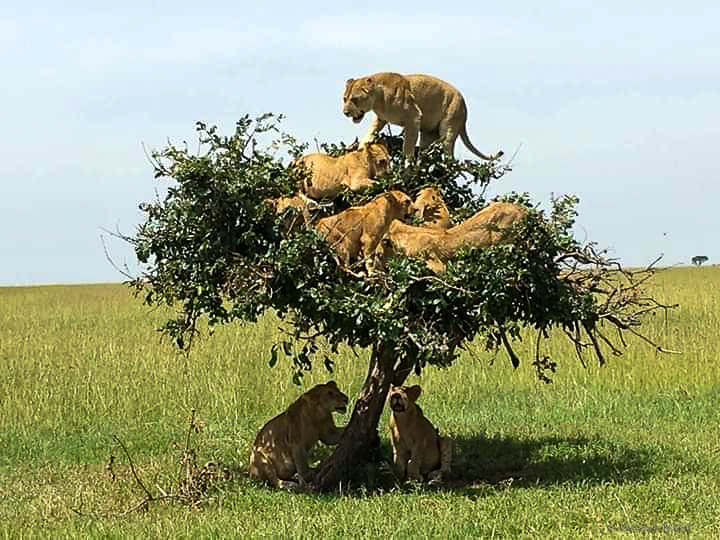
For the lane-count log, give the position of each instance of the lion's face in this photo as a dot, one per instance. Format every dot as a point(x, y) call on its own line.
point(329, 397)
point(402, 203)
point(380, 156)
point(357, 99)
point(401, 398)
point(427, 202)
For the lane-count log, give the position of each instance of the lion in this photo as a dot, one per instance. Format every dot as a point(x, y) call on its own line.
point(420, 103)
point(358, 230)
point(281, 447)
point(356, 171)
point(488, 227)
point(418, 449)
point(431, 208)
point(431, 245)
point(299, 202)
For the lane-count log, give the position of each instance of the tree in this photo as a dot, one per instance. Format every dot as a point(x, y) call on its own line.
point(214, 249)
point(698, 260)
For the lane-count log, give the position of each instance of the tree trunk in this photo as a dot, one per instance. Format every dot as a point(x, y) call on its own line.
point(360, 438)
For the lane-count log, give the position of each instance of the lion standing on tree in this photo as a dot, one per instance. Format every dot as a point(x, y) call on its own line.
point(422, 104)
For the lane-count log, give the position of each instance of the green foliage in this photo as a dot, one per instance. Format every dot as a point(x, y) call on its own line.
point(215, 249)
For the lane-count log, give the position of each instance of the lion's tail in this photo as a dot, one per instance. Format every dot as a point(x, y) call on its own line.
point(470, 146)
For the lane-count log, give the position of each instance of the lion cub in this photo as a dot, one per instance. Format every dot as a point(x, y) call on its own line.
point(356, 171)
point(281, 447)
point(418, 450)
point(358, 230)
point(430, 207)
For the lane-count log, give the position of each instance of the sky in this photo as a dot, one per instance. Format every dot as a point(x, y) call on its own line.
point(615, 102)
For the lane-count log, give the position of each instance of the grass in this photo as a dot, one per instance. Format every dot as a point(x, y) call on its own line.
point(603, 451)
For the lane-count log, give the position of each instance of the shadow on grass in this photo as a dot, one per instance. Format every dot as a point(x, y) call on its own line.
point(483, 464)
point(480, 462)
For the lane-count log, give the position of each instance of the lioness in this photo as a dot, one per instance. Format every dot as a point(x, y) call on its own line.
point(281, 446)
point(300, 202)
point(358, 230)
point(486, 228)
point(418, 450)
point(356, 170)
point(419, 103)
point(430, 207)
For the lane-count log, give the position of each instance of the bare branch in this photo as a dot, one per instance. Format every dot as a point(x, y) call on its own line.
point(125, 272)
point(192, 423)
point(591, 334)
point(650, 342)
point(132, 468)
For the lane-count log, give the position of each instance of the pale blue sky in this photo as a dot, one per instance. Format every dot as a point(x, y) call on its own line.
point(617, 102)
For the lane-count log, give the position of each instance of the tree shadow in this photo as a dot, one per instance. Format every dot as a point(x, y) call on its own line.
point(481, 465)
point(485, 464)
point(481, 462)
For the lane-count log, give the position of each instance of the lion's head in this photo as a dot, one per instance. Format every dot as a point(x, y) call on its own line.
point(329, 397)
point(379, 155)
point(428, 203)
point(401, 398)
point(358, 98)
point(402, 205)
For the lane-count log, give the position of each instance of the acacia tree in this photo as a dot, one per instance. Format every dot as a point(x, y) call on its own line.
point(214, 249)
point(698, 260)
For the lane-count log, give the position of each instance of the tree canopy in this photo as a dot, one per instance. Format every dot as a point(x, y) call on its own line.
point(214, 249)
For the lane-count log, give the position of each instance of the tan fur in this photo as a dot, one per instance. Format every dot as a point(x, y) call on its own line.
point(355, 171)
point(418, 450)
point(430, 207)
point(486, 228)
point(299, 202)
point(357, 231)
point(422, 104)
point(281, 447)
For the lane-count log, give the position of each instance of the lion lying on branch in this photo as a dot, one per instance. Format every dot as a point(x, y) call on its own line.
point(358, 230)
point(489, 227)
point(328, 176)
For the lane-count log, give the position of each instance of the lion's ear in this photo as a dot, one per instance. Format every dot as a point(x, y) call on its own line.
point(370, 82)
point(414, 392)
point(349, 82)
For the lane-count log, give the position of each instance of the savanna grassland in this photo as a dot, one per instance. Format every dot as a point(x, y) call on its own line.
point(626, 448)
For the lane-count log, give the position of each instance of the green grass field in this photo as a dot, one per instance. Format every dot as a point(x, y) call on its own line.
point(624, 449)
